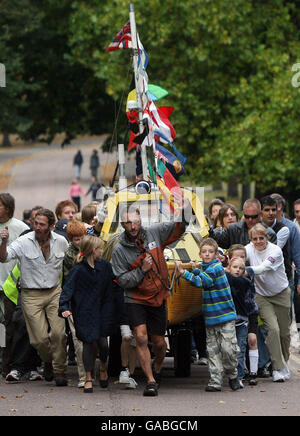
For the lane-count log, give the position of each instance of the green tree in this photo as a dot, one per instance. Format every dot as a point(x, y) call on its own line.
point(227, 67)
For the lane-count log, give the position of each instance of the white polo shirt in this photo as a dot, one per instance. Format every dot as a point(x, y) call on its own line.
point(36, 272)
point(268, 266)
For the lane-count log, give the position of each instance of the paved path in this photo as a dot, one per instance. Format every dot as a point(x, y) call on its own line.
point(41, 175)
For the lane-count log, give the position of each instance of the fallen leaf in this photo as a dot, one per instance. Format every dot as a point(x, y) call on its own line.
point(262, 390)
point(13, 410)
point(48, 407)
point(98, 404)
point(136, 409)
point(3, 397)
point(20, 396)
point(222, 402)
point(244, 411)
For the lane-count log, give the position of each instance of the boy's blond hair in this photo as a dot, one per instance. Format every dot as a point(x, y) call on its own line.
point(210, 242)
point(235, 247)
point(239, 260)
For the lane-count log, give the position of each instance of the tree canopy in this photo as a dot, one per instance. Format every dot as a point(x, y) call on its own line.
point(227, 67)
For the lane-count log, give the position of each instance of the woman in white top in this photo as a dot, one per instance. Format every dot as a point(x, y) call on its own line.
point(272, 297)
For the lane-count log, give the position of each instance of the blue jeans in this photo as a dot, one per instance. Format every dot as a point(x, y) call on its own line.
point(242, 338)
point(263, 353)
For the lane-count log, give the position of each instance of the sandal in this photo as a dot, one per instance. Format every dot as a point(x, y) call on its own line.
point(151, 389)
point(103, 383)
point(88, 390)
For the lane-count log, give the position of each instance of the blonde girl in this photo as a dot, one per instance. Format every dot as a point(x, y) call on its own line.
point(88, 296)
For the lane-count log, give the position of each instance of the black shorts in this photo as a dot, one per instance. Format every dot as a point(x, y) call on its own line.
point(155, 318)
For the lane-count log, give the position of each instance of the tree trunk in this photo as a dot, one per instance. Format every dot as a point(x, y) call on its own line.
point(6, 141)
point(232, 189)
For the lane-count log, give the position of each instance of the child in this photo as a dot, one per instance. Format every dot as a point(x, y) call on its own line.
point(75, 192)
point(240, 288)
point(89, 288)
point(238, 250)
point(75, 231)
point(219, 314)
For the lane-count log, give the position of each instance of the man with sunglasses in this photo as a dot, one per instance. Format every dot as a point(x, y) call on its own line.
point(237, 233)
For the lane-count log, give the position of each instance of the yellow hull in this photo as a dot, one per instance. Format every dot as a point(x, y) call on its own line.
point(185, 301)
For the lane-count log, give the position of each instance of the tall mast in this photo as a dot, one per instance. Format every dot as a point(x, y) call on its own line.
point(138, 92)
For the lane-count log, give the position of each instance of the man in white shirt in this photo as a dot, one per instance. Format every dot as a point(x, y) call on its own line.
point(15, 227)
point(40, 254)
point(268, 216)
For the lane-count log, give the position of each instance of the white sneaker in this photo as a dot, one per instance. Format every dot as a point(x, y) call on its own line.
point(286, 371)
point(278, 376)
point(124, 376)
point(13, 376)
point(132, 384)
point(203, 361)
point(241, 384)
point(34, 375)
point(81, 384)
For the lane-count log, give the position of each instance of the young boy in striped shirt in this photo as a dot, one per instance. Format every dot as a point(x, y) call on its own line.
point(219, 314)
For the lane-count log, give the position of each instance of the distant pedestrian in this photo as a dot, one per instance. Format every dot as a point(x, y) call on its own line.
point(94, 188)
point(94, 163)
point(77, 162)
point(75, 192)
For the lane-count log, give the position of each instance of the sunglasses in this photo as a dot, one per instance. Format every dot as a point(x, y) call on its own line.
point(258, 238)
point(247, 217)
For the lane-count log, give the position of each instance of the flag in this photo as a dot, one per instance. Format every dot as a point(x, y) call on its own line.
point(156, 92)
point(171, 161)
point(160, 118)
point(121, 40)
point(168, 185)
point(176, 151)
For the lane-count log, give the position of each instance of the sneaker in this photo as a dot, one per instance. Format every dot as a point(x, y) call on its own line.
point(241, 384)
point(252, 379)
point(61, 380)
point(212, 388)
point(234, 384)
point(203, 361)
point(81, 384)
point(132, 384)
point(34, 375)
point(264, 372)
point(124, 376)
point(278, 376)
point(286, 371)
point(13, 376)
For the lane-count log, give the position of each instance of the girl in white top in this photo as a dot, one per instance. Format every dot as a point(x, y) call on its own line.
point(272, 297)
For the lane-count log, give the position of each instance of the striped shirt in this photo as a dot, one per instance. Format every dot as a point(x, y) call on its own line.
point(217, 304)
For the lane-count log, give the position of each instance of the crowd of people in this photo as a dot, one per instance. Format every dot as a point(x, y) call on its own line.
point(64, 291)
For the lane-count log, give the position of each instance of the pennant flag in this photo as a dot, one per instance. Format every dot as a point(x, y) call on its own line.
point(176, 151)
point(121, 40)
point(173, 164)
point(161, 120)
point(156, 92)
point(168, 185)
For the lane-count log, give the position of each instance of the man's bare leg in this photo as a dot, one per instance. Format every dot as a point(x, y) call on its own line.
point(143, 352)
